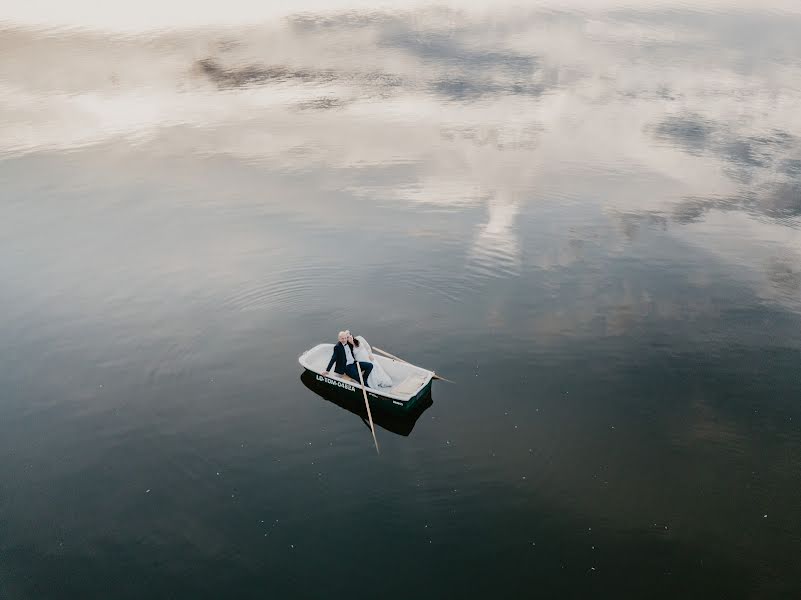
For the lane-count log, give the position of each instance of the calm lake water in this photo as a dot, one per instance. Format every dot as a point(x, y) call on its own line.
point(587, 214)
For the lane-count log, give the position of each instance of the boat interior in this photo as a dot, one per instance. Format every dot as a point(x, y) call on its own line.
point(407, 379)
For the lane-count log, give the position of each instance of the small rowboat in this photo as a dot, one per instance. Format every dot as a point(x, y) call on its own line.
point(411, 384)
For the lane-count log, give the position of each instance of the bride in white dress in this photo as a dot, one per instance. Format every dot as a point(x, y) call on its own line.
point(364, 353)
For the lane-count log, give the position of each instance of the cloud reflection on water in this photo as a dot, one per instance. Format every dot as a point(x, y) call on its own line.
point(559, 152)
point(474, 107)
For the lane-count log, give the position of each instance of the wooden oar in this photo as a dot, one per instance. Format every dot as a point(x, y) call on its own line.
point(385, 353)
point(367, 404)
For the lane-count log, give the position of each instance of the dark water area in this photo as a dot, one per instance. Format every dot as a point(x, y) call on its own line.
point(587, 215)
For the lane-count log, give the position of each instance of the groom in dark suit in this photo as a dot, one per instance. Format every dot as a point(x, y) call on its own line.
point(345, 363)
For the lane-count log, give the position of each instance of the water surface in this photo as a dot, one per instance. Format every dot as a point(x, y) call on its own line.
point(586, 214)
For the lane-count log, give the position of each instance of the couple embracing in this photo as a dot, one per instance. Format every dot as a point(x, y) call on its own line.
point(352, 353)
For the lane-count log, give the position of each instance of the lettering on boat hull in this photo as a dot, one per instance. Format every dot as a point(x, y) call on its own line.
point(341, 384)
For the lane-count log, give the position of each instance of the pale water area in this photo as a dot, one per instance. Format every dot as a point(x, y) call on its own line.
point(587, 214)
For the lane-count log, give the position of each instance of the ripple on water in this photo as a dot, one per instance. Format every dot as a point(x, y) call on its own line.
point(282, 289)
point(496, 249)
point(437, 285)
point(493, 257)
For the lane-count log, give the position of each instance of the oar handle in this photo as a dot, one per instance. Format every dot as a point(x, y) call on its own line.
point(385, 353)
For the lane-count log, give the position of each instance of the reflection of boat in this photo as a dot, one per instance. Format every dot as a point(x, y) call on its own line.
point(402, 424)
point(411, 384)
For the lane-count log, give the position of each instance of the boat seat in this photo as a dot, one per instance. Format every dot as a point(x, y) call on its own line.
point(409, 385)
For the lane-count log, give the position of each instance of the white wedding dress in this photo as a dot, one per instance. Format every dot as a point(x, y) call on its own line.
point(378, 376)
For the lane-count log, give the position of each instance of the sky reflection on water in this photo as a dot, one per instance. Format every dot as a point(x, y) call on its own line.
point(586, 213)
point(664, 108)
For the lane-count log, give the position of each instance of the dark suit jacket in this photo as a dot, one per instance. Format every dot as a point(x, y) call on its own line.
point(339, 358)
